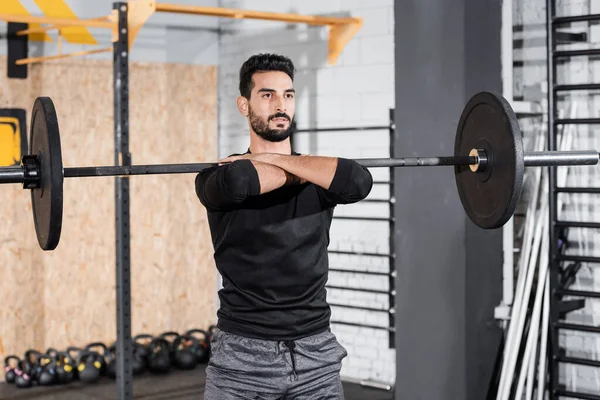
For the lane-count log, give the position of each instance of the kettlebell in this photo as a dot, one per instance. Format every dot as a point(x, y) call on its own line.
point(159, 360)
point(141, 351)
point(202, 346)
point(11, 371)
point(88, 366)
point(47, 376)
point(29, 369)
point(184, 352)
point(65, 368)
point(170, 337)
point(74, 353)
point(101, 359)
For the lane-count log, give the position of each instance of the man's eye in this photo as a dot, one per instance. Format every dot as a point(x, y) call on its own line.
point(267, 95)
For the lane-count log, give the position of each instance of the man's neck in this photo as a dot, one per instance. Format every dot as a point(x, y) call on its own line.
point(260, 145)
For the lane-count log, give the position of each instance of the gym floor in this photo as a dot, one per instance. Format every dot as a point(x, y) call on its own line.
point(179, 385)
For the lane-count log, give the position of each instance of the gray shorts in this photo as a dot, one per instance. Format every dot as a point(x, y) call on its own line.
point(245, 368)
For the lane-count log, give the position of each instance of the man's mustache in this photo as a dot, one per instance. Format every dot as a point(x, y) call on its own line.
point(280, 115)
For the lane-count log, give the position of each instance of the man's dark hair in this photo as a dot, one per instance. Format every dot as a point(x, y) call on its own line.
point(261, 63)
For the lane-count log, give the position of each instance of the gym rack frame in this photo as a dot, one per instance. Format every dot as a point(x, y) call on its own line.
point(559, 283)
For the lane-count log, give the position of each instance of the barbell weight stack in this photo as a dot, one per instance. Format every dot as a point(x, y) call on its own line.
point(489, 165)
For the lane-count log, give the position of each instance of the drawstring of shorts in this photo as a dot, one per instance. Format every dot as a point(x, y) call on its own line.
point(291, 345)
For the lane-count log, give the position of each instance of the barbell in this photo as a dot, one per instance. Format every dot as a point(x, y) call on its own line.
point(489, 165)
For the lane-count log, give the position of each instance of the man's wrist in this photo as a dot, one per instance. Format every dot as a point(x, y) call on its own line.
point(270, 158)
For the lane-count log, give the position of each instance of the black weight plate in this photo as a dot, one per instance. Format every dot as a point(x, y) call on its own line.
point(490, 197)
point(47, 201)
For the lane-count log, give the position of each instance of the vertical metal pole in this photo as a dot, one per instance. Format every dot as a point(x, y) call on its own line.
point(553, 214)
point(122, 157)
point(392, 243)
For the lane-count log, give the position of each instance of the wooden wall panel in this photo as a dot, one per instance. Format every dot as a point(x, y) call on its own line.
point(67, 297)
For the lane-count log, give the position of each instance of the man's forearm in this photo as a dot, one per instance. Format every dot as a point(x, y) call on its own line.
point(272, 177)
point(316, 169)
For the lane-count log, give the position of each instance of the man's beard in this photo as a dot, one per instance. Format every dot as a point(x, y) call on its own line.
point(261, 127)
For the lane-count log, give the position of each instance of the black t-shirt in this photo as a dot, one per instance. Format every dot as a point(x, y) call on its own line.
point(271, 249)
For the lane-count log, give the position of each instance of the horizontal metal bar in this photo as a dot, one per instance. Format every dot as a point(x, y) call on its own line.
point(572, 258)
point(577, 121)
point(363, 308)
point(578, 293)
point(386, 219)
point(360, 253)
point(575, 18)
point(351, 271)
point(385, 328)
point(556, 158)
point(577, 327)
point(247, 14)
point(577, 87)
point(418, 161)
point(363, 290)
point(79, 172)
point(576, 53)
point(382, 183)
point(577, 190)
point(577, 224)
point(530, 159)
point(577, 395)
point(12, 174)
point(578, 361)
point(339, 129)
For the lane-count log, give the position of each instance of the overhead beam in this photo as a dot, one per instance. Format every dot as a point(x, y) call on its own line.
point(341, 29)
point(248, 14)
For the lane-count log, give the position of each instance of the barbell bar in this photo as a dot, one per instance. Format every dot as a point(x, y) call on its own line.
point(488, 163)
point(16, 174)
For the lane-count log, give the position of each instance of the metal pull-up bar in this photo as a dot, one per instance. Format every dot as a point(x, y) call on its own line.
point(341, 29)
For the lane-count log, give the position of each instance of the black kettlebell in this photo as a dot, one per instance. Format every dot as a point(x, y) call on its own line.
point(89, 365)
point(202, 346)
point(184, 352)
point(11, 371)
point(74, 353)
point(142, 341)
point(141, 352)
point(47, 362)
point(65, 368)
point(159, 360)
point(29, 369)
point(171, 337)
point(102, 354)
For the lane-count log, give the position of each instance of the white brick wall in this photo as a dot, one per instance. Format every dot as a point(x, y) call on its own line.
point(357, 91)
point(531, 13)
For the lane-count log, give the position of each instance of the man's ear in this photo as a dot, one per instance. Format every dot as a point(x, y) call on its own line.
point(242, 104)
